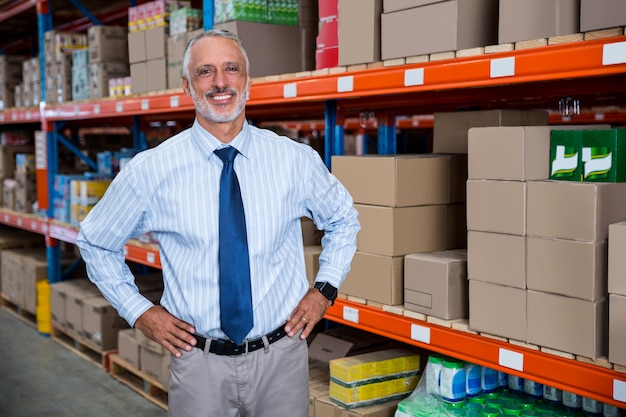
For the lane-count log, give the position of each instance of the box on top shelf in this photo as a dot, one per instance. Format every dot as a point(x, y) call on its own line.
point(498, 258)
point(439, 27)
point(185, 19)
point(328, 9)
point(359, 31)
point(263, 11)
point(574, 210)
point(396, 5)
point(58, 44)
point(261, 39)
point(101, 72)
point(617, 261)
point(375, 278)
point(508, 215)
point(535, 19)
point(11, 69)
point(450, 129)
point(108, 43)
point(612, 13)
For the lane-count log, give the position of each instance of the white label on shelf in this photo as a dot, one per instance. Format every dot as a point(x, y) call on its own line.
point(2, 117)
point(6, 218)
point(511, 359)
point(619, 390)
point(19, 221)
point(28, 115)
point(414, 77)
point(599, 116)
point(44, 228)
point(76, 110)
point(145, 104)
point(420, 333)
point(174, 102)
point(14, 116)
point(290, 90)
point(502, 67)
point(33, 225)
point(96, 109)
point(119, 107)
point(150, 257)
point(614, 53)
point(345, 84)
point(351, 314)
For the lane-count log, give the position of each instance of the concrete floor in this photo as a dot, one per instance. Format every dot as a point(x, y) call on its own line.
point(41, 378)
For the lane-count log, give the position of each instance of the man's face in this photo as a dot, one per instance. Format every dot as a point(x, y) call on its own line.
point(218, 80)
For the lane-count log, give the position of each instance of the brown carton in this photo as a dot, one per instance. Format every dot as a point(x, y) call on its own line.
point(375, 278)
point(534, 19)
point(497, 258)
point(617, 260)
point(496, 206)
point(497, 309)
point(617, 329)
point(359, 31)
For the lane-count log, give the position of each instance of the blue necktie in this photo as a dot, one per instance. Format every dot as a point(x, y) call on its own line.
point(234, 262)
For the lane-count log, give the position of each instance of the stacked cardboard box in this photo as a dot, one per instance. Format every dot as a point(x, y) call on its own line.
point(535, 19)
point(617, 293)
point(10, 77)
point(611, 14)
point(8, 165)
point(537, 258)
point(359, 31)
point(59, 47)
point(108, 57)
point(84, 194)
point(25, 182)
point(11, 238)
point(403, 203)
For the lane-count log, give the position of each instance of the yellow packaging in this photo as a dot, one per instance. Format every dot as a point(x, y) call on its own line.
point(372, 393)
point(87, 192)
point(374, 366)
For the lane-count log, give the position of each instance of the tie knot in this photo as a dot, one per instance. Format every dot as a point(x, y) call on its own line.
point(227, 154)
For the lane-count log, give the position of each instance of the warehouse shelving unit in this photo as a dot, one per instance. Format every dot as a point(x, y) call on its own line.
point(592, 71)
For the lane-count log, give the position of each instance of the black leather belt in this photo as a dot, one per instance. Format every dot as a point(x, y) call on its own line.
point(228, 348)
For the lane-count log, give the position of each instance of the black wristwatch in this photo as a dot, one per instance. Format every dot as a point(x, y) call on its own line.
point(327, 291)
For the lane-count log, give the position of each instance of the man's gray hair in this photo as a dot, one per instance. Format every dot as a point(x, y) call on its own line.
point(211, 34)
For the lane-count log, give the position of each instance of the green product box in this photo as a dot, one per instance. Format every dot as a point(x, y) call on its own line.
point(565, 155)
point(603, 155)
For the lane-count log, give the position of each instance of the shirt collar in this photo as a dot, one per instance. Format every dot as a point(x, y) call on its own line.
point(206, 143)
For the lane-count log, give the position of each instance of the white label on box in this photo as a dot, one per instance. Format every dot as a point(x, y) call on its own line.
point(345, 84)
point(174, 101)
point(290, 90)
point(614, 53)
point(511, 359)
point(619, 390)
point(502, 67)
point(145, 104)
point(420, 333)
point(414, 77)
point(351, 314)
point(119, 107)
point(96, 109)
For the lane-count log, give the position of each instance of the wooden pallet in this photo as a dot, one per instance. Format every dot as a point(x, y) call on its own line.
point(138, 381)
point(74, 343)
point(17, 311)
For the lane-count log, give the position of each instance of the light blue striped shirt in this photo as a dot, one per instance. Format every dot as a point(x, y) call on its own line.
point(173, 191)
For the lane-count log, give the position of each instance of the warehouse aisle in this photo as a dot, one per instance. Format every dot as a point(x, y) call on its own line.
point(41, 378)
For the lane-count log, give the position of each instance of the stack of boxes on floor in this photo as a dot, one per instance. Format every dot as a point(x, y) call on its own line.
point(17, 171)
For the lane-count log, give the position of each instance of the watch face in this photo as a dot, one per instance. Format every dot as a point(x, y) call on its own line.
point(328, 290)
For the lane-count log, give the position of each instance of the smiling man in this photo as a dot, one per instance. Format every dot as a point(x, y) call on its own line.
point(225, 200)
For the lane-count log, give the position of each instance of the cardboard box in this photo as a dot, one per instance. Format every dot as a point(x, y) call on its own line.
point(395, 5)
point(101, 323)
point(397, 231)
point(359, 31)
point(139, 77)
point(154, 360)
point(108, 43)
point(507, 216)
point(617, 260)
point(439, 27)
point(11, 68)
point(450, 129)
point(375, 278)
point(157, 74)
point(311, 236)
point(101, 73)
point(396, 180)
point(568, 324)
point(567, 267)
point(617, 329)
point(497, 258)
point(7, 158)
point(128, 346)
point(60, 293)
point(136, 47)
point(312, 262)
point(436, 284)
point(497, 309)
point(574, 210)
point(261, 40)
point(611, 14)
point(156, 43)
point(534, 19)
point(75, 299)
point(324, 348)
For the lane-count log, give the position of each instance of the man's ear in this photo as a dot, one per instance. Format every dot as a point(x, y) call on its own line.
point(186, 86)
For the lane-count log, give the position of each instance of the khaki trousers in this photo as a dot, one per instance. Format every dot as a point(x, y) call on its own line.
point(269, 382)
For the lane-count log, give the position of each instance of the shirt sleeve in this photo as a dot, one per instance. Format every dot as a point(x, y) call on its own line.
point(332, 210)
point(116, 218)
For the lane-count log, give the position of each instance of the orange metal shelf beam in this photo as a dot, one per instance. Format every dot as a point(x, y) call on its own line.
point(584, 379)
point(572, 60)
point(24, 221)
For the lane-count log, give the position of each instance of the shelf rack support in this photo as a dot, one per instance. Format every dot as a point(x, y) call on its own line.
point(44, 24)
point(333, 131)
point(86, 12)
point(387, 133)
point(208, 13)
point(139, 136)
